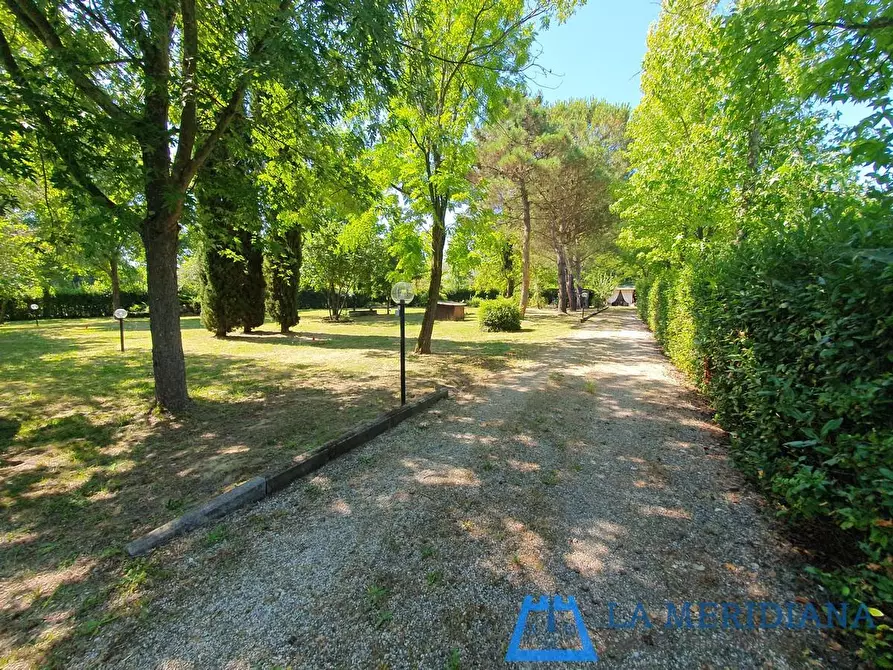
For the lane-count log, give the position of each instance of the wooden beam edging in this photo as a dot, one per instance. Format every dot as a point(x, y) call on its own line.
point(594, 313)
point(260, 487)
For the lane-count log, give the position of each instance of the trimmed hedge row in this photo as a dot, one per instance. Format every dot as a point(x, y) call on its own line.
point(792, 340)
point(79, 305)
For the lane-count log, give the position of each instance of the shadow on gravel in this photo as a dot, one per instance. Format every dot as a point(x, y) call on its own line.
point(607, 483)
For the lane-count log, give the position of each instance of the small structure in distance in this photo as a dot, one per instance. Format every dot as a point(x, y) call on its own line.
point(623, 296)
point(448, 310)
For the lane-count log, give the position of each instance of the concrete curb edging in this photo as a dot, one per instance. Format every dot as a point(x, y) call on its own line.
point(260, 487)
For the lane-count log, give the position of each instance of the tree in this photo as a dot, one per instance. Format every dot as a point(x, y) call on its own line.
point(343, 258)
point(842, 52)
point(483, 252)
point(459, 58)
point(509, 153)
point(18, 263)
point(718, 158)
point(74, 238)
point(253, 310)
point(572, 204)
point(229, 220)
point(175, 74)
point(283, 269)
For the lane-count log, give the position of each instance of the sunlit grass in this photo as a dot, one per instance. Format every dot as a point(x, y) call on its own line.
point(85, 465)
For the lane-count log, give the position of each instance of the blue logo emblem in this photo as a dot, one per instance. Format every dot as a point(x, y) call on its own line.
point(550, 630)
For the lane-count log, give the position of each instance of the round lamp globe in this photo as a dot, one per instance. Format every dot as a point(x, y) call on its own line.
point(402, 290)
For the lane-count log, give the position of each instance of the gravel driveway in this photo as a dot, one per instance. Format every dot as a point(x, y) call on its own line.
point(594, 472)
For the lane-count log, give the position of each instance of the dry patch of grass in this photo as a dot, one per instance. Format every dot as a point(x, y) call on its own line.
point(85, 466)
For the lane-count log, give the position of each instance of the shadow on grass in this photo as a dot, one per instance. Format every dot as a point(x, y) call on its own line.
point(77, 486)
point(85, 469)
point(512, 501)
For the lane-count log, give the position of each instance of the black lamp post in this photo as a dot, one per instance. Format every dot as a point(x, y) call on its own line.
point(121, 314)
point(34, 308)
point(402, 293)
point(584, 303)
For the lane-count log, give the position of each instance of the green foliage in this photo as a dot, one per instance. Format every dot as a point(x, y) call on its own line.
point(83, 304)
point(232, 261)
point(786, 335)
point(18, 263)
point(767, 264)
point(499, 316)
point(461, 58)
point(283, 270)
point(346, 258)
point(131, 98)
point(600, 284)
point(223, 282)
point(253, 311)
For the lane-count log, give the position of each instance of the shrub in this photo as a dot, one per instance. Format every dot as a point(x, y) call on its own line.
point(500, 315)
point(790, 337)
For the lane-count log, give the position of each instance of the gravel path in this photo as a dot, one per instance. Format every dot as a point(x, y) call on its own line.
point(594, 472)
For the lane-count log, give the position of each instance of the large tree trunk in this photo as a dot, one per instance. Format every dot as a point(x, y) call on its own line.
point(2, 310)
point(160, 240)
point(562, 281)
point(571, 292)
point(571, 289)
point(438, 239)
point(164, 206)
point(525, 252)
point(116, 283)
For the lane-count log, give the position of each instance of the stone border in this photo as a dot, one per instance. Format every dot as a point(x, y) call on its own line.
point(260, 487)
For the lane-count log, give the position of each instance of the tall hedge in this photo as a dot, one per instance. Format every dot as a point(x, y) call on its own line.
point(792, 339)
point(81, 305)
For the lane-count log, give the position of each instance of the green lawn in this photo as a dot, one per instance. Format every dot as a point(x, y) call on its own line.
point(85, 466)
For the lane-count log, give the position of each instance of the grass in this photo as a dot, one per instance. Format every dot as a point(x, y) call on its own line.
point(85, 465)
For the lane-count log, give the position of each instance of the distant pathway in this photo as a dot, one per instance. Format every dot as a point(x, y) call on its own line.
point(594, 472)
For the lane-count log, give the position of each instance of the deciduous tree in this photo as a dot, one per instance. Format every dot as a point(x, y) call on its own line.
point(168, 74)
point(459, 59)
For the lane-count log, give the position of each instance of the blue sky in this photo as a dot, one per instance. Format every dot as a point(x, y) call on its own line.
point(599, 51)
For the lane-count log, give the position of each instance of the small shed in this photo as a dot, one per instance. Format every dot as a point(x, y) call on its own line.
point(450, 311)
point(623, 296)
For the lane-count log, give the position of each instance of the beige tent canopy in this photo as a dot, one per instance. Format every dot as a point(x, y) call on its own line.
point(623, 296)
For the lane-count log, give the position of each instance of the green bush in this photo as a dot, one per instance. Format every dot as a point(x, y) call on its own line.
point(500, 315)
point(792, 339)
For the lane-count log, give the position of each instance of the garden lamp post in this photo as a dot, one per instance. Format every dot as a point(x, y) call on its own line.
point(402, 293)
point(34, 308)
point(121, 314)
point(584, 302)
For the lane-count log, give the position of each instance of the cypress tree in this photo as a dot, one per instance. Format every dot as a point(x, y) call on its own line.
point(284, 275)
point(252, 308)
point(232, 260)
point(222, 277)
